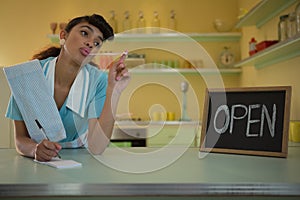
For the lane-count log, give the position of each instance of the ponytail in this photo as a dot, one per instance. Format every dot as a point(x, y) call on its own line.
point(49, 52)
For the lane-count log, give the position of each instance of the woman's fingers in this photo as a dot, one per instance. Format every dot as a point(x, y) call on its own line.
point(119, 67)
point(121, 71)
point(46, 150)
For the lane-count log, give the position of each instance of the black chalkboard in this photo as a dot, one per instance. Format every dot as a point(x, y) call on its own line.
point(252, 121)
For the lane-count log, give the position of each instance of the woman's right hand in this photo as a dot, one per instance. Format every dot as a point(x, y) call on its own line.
point(46, 150)
point(118, 76)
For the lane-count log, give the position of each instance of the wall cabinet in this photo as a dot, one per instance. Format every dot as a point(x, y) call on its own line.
point(184, 134)
point(156, 133)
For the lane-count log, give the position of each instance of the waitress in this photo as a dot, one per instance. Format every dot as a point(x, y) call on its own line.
point(90, 121)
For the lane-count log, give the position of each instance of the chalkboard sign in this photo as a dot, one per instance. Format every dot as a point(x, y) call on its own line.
point(251, 121)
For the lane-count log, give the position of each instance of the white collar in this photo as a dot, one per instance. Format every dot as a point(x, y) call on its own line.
point(76, 100)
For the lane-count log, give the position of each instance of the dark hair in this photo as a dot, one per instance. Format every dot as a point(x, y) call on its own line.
point(95, 20)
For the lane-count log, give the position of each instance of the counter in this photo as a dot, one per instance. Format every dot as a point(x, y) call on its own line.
point(214, 176)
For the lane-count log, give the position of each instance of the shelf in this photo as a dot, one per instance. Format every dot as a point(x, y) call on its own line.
point(178, 37)
point(170, 37)
point(201, 71)
point(131, 123)
point(274, 54)
point(263, 12)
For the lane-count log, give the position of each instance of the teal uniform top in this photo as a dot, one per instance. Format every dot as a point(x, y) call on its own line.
point(84, 101)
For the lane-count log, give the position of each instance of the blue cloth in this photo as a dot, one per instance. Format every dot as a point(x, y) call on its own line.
point(85, 101)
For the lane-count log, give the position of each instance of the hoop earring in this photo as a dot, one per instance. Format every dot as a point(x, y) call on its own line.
point(62, 42)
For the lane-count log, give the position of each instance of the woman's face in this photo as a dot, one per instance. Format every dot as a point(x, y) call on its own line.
point(81, 41)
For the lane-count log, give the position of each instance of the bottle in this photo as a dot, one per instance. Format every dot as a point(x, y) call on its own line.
point(155, 23)
point(297, 16)
point(172, 21)
point(112, 21)
point(141, 23)
point(282, 28)
point(252, 46)
point(126, 21)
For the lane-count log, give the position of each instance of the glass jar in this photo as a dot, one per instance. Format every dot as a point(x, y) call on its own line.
point(127, 21)
point(282, 28)
point(141, 23)
point(155, 23)
point(291, 25)
point(172, 21)
point(297, 16)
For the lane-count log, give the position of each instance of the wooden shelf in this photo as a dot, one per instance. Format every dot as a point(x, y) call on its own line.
point(274, 54)
point(178, 37)
point(201, 71)
point(170, 37)
point(263, 12)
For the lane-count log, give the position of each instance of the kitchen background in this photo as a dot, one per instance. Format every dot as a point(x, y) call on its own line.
point(25, 30)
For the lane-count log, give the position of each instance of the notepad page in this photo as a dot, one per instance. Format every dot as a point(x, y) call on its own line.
point(35, 101)
point(60, 163)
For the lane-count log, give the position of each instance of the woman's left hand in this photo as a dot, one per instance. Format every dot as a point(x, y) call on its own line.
point(118, 76)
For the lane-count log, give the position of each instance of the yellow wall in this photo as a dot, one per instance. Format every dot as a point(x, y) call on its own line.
point(25, 25)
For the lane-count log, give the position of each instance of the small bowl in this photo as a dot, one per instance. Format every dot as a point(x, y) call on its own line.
point(222, 25)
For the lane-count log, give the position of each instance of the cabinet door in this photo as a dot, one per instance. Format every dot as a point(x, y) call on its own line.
point(4, 122)
point(172, 135)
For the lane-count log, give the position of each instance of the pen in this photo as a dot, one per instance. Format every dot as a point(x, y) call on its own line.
point(105, 54)
point(42, 129)
point(110, 53)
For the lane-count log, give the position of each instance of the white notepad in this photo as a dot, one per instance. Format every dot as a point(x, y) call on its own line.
point(61, 164)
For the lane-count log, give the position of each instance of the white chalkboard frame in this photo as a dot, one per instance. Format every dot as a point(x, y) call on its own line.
point(284, 147)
